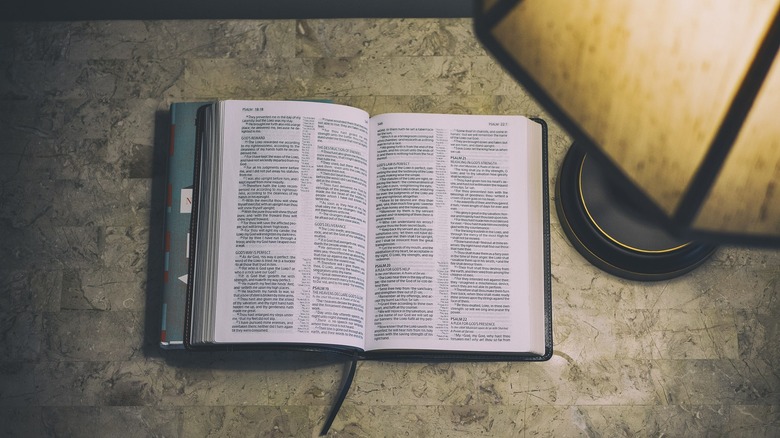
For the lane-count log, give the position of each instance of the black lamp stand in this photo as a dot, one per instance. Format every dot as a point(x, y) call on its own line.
point(610, 229)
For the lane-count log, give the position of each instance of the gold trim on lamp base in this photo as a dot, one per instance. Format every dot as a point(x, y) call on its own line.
point(612, 232)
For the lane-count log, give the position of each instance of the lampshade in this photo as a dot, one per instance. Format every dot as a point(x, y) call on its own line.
point(679, 99)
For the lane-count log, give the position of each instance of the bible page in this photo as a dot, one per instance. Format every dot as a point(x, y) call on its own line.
point(451, 237)
point(293, 233)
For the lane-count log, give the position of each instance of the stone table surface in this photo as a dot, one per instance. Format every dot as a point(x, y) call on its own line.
point(83, 111)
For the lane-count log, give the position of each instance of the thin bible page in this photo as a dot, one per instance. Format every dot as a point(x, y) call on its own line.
point(449, 267)
point(293, 249)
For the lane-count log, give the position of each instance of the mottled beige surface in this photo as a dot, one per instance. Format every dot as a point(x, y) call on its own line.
point(83, 116)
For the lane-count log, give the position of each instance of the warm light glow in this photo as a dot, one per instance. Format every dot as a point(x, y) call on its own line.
point(749, 184)
point(651, 83)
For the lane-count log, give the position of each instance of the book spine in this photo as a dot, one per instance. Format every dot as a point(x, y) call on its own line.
point(178, 202)
point(167, 236)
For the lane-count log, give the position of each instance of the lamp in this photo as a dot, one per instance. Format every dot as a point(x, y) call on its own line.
point(676, 104)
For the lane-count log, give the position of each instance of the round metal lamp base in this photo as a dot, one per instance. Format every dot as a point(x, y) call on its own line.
point(609, 229)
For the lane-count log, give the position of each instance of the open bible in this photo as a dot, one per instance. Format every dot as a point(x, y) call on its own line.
point(317, 226)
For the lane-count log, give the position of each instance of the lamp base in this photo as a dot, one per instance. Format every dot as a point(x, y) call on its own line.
point(609, 229)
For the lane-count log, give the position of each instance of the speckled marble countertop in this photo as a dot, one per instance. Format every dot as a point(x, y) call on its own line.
point(83, 111)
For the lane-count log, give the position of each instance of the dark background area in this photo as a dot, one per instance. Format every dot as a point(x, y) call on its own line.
point(50, 10)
